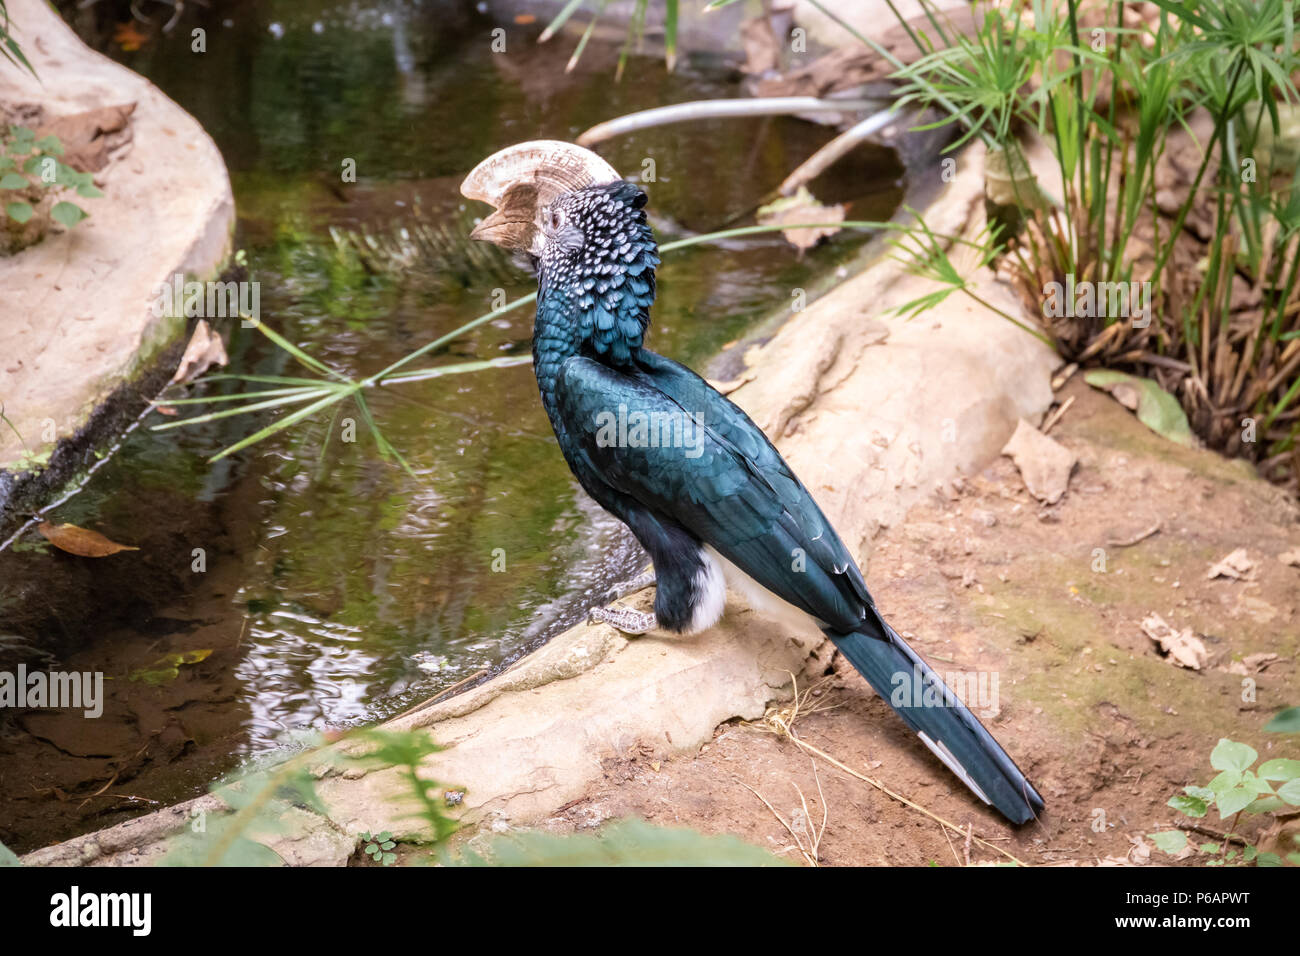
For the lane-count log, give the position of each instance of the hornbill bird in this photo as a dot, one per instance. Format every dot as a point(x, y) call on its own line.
point(703, 490)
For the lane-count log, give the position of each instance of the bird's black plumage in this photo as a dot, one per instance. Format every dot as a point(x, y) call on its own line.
point(702, 475)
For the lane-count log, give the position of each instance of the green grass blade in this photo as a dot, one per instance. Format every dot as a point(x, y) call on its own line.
point(303, 358)
point(242, 410)
point(233, 397)
point(586, 35)
point(337, 395)
point(670, 34)
point(438, 371)
point(559, 20)
point(386, 448)
point(453, 334)
point(263, 379)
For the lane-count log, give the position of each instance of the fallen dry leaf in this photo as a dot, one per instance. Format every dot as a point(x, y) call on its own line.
point(802, 207)
point(88, 138)
point(1252, 664)
point(1045, 464)
point(1260, 661)
point(1126, 395)
point(1139, 854)
point(1236, 566)
point(128, 36)
point(762, 49)
point(1182, 647)
point(205, 350)
point(1140, 851)
point(80, 541)
point(168, 667)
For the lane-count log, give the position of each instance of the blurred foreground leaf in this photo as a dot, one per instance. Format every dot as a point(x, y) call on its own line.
point(625, 843)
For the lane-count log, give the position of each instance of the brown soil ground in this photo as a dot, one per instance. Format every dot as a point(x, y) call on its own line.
point(984, 578)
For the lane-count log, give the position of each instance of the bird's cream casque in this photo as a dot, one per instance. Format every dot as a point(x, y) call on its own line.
point(520, 181)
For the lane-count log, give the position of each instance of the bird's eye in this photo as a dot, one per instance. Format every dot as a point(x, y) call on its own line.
point(552, 218)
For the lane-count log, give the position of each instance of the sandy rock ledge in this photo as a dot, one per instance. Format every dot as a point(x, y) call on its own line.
point(76, 327)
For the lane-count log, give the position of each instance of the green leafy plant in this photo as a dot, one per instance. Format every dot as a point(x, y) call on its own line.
point(379, 847)
point(261, 799)
point(1235, 792)
point(406, 750)
point(925, 252)
point(623, 843)
point(1285, 722)
point(32, 178)
point(264, 799)
point(1107, 95)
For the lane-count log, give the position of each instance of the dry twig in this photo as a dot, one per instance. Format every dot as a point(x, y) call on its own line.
point(781, 722)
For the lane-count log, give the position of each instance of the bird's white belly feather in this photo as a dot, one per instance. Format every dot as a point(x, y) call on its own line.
point(721, 573)
point(711, 586)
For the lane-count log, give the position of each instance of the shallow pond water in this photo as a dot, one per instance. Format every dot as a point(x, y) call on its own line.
point(330, 586)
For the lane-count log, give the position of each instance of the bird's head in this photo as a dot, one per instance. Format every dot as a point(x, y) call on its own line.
point(584, 230)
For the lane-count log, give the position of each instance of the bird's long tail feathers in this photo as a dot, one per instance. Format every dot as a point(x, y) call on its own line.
point(940, 719)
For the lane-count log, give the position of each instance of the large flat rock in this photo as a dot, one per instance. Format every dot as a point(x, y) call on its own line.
point(75, 316)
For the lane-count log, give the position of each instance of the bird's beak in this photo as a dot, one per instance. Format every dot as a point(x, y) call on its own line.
point(512, 226)
point(520, 180)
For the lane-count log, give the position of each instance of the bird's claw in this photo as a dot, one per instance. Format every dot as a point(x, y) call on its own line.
point(625, 619)
point(631, 586)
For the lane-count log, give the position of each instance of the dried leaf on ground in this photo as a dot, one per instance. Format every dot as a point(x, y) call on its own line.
point(87, 138)
point(1045, 464)
point(80, 541)
point(1139, 854)
point(802, 207)
point(762, 50)
point(204, 351)
point(1260, 661)
point(1236, 566)
point(1182, 647)
point(1252, 664)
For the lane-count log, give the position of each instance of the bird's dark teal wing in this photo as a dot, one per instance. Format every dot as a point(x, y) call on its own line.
point(725, 482)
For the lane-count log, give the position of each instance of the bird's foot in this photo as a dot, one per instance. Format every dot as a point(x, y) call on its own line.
point(625, 619)
point(639, 583)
